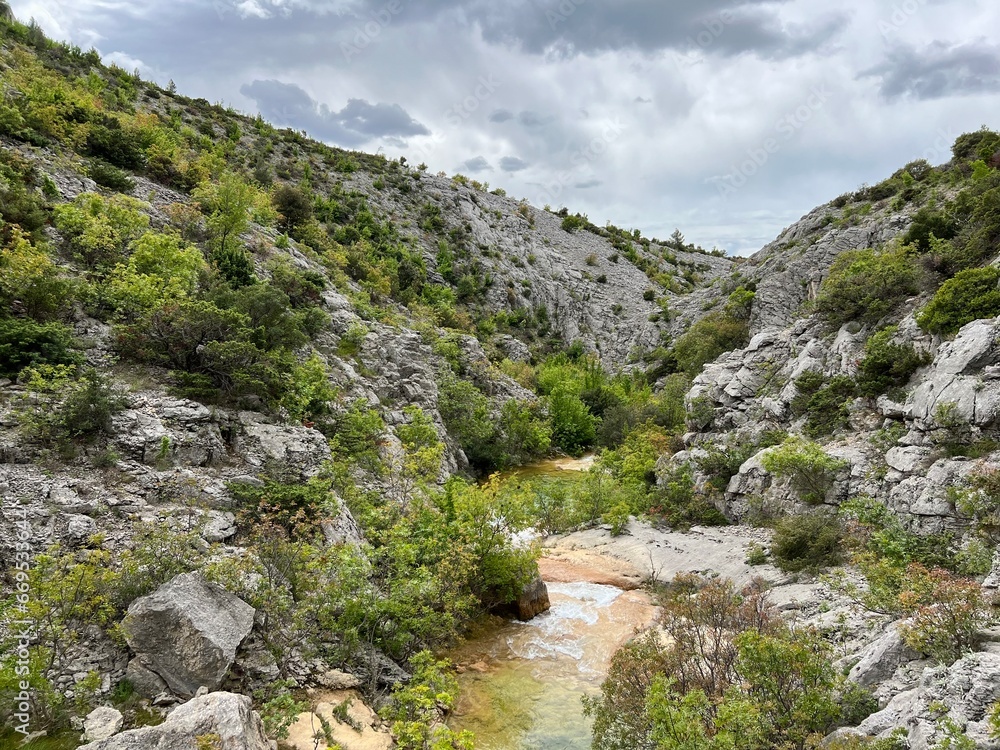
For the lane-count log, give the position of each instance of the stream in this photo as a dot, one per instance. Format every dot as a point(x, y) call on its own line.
point(521, 683)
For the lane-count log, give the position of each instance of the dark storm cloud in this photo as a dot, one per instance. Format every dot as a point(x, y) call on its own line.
point(513, 164)
point(533, 119)
point(589, 27)
point(938, 70)
point(355, 124)
point(501, 115)
point(477, 164)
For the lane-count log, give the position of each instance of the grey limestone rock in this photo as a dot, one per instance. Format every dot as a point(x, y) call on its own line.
point(227, 715)
point(187, 632)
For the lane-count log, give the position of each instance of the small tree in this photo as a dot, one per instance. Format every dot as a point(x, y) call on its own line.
point(809, 468)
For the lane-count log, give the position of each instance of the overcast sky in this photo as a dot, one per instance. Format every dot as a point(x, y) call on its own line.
point(726, 119)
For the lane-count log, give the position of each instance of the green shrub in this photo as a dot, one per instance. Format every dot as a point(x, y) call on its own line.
point(355, 435)
point(725, 674)
point(298, 508)
point(823, 401)
point(88, 409)
point(235, 265)
point(101, 229)
point(866, 286)
point(162, 268)
point(294, 207)
point(65, 406)
point(929, 222)
point(947, 613)
point(109, 176)
point(20, 200)
point(886, 365)
point(979, 144)
point(978, 209)
point(573, 222)
point(711, 336)
point(808, 467)
point(827, 411)
point(29, 281)
point(972, 294)
point(807, 542)
point(721, 462)
point(574, 428)
point(121, 147)
point(27, 342)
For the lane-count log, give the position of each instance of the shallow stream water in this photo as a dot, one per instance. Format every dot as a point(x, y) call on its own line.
point(522, 683)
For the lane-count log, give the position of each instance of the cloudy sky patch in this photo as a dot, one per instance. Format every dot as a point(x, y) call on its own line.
point(726, 118)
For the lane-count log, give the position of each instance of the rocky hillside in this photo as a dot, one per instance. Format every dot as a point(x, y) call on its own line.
point(248, 380)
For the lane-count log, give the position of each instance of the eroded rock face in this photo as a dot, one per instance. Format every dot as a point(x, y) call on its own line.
point(968, 689)
point(187, 632)
point(963, 385)
point(226, 715)
point(882, 658)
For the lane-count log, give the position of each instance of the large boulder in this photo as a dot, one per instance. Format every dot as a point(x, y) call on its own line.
point(882, 658)
point(227, 716)
point(187, 632)
point(533, 600)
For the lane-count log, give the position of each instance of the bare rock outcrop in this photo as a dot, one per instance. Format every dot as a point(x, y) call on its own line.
point(225, 717)
point(966, 690)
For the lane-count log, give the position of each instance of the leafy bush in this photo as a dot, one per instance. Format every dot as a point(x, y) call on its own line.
point(27, 342)
point(20, 201)
point(101, 229)
point(294, 207)
point(807, 542)
point(122, 147)
point(573, 222)
point(162, 268)
point(947, 613)
point(415, 710)
point(574, 428)
point(466, 414)
point(808, 467)
point(972, 294)
point(823, 401)
point(229, 205)
point(711, 336)
point(980, 503)
point(721, 462)
point(355, 435)
point(729, 675)
point(298, 508)
point(929, 222)
point(866, 286)
point(979, 144)
point(109, 176)
point(978, 210)
point(29, 281)
point(886, 365)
